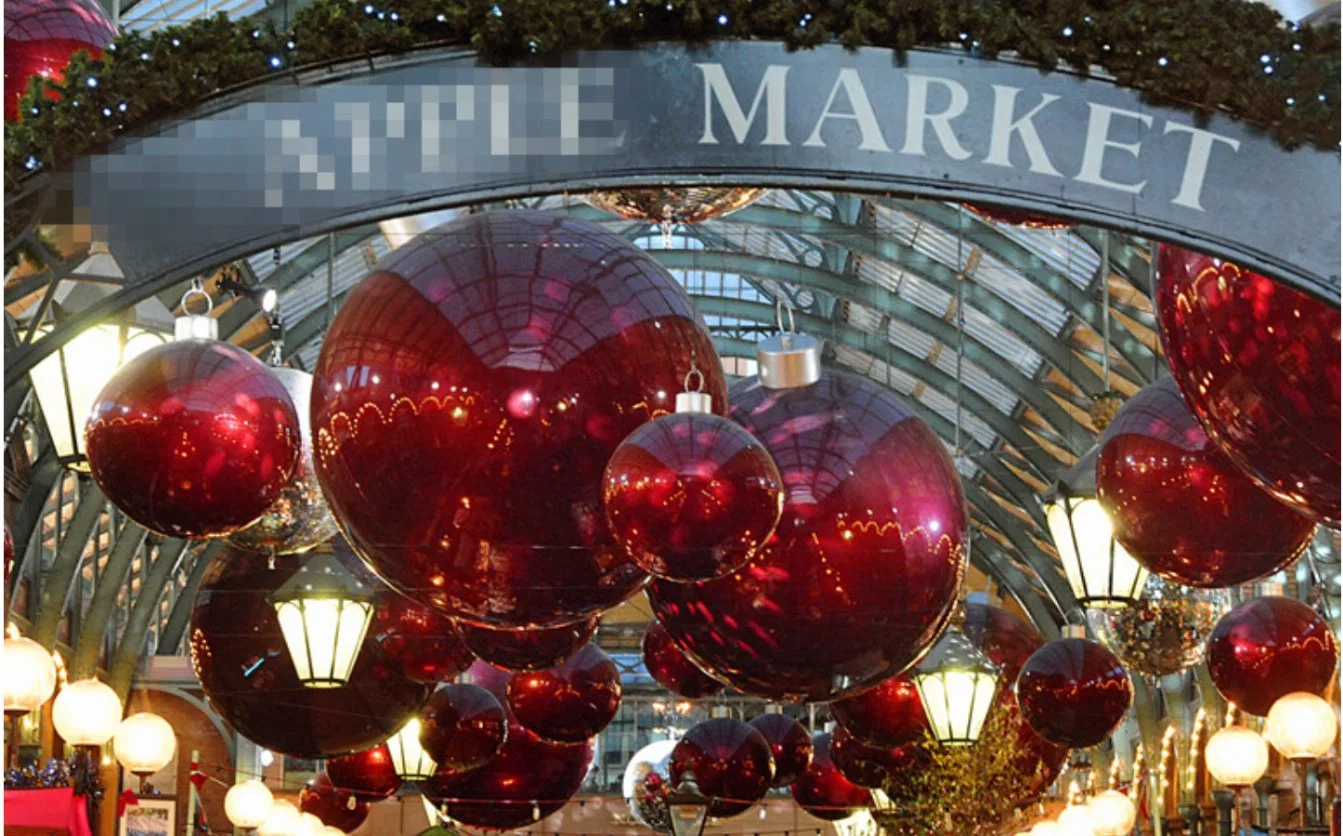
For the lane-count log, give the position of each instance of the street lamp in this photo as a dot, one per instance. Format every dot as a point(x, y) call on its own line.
point(324, 612)
point(1237, 757)
point(687, 807)
point(1114, 812)
point(957, 684)
point(247, 804)
point(143, 744)
point(30, 676)
point(409, 759)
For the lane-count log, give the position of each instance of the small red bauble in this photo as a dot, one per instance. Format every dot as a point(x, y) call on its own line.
point(789, 742)
point(691, 496)
point(822, 791)
point(193, 439)
point(888, 715)
point(336, 807)
point(369, 774)
point(866, 766)
point(863, 570)
point(1179, 505)
point(462, 727)
point(732, 763)
point(428, 645)
point(569, 703)
point(672, 669)
point(1258, 363)
point(527, 650)
point(490, 368)
point(1267, 648)
point(41, 36)
point(1018, 217)
point(1074, 692)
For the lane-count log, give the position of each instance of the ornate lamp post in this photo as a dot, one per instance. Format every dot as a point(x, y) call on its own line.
point(1237, 757)
point(1302, 727)
point(957, 684)
point(687, 807)
point(86, 715)
point(29, 681)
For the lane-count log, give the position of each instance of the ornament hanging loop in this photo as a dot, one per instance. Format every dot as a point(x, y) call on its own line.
point(788, 360)
point(191, 326)
point(694, 400)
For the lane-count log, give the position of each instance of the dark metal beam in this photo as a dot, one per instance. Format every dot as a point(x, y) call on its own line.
point(180, 616)
point(166, 561)
point(59, 580)
point(93, 634)
point(41, 480)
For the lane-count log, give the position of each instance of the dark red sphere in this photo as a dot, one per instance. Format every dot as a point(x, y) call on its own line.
point(193, 439)
point(1074, 692)
point(369, 774)
point(866, 766)
point(822, 791)
point(864, 568)
point(1018, 217)
point(1179, 505)
point(569, 703)
point(495, 680)
point(1267, 648)
point(428, 645)
point(672, 669)
point(246, 671)
point(527, 650)
point(41, 36)
point(490, 368)
point(732, 763)
point(789, 742)
point(336, 807)
point(888, 715)
point(1258, 363)
point(691, 497)
point(462, 727)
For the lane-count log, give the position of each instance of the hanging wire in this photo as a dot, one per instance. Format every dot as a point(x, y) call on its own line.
point(960, 326)
point(1105, 308)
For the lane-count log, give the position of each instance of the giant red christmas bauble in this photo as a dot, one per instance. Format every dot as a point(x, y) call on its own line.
point(867, 766)
point(732, 763)
point(1018, 217)
point(890, 714)
point(194, 438)
point(369, 774)
point(672, 669)
point(244, 666)
point(336, 807)
point(1074, 692)
point(427, 644)
point(822, 791)
point(462, 727)
point(1267, 648)
point(489, 369)
point(1258, 363)
point(790, 744)
point(864, 567)
point(41, 36)
point(527, 650)
point(569, 703)
point(691, 496)
point(1179, 505)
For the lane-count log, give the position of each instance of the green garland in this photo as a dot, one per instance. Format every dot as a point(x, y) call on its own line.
point(1229, 55)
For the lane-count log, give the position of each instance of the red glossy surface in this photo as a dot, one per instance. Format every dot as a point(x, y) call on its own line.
point(527, 650)
point(193, 439)
point(890, 714)
point(1074, 692)
point(732, 763)
point(672, 669)
point(336, 807)
point(428, 645)
point(790, 744)
point(1258, 363)
point(863, 570)
point(462, 727)
point(492, 679)
point(489, 369)
point(1018, 217)
point(1179, 505)
point(41, 36)
point(1267, 648)
point(822, 791)
point(529, 776)
point(368, 774)
point(691, 497)
point(866, 766)
point(244, 667)
point(569, 703)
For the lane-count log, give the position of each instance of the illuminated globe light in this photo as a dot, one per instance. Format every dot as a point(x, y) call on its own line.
point(1301, 726)
point(30, 676)
point(1113, 813)
point(1101, 573)
point(1077, 820)
point(1237, 756)
point(144, 743)
point(282, 820)
point(328, 830)
point(957, 685)
point(248, 804)
point(86, 713)
point(1051, 828)
point(323, 623)
point(309, 825)
point(409, 759)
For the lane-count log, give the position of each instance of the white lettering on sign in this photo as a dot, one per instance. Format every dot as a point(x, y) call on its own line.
point(773, 90)
point(918, 119)
point(852, 84)
point(1196, 161)
point(1004, 126)
point(1098, 141)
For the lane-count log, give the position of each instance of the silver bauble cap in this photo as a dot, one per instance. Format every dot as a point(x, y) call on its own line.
point(789, 361)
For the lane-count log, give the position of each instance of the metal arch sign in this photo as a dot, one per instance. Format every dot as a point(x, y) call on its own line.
point(288, 160)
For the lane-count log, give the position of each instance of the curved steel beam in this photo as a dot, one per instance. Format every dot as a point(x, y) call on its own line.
point(180, 616)
point(111, 581)
point(42, 480)
point(166, 560)
point(59, 580)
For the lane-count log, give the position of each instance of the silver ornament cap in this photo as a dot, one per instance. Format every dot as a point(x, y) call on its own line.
point(789, 360)
point(191, 326)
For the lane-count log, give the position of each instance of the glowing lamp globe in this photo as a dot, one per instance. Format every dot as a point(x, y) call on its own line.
point(247, 804)
point(957, 685)
point(1301, 726)
point(86, 713)
point(283, 820)
point(1051, 828)
point(332, 831)
point(1100, 571)
point(1077, 820)
point(409, 758)
point(1237, 756)
point(323, 613)
point(309, 825)
point(144, 743)
point(1113, 813)
point(30, 676)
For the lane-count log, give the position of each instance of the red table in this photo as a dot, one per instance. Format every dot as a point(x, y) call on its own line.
point(53, 811)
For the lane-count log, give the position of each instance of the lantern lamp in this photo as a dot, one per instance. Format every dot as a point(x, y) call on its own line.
point(1237, 756)
point(1114, 814)
point(687, 807)
point(1102, 574)
point(247, 804)
point(30, 676)
point(409, 759)
point(957, 684)
point(86, 713)
point(324, 612)
point(144, 743)
point(1301, 726)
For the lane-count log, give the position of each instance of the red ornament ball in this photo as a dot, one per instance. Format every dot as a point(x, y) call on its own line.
point(1074, 692)
point(864, 568)
point(672, 669)
point(822, 791)
point(428, 645)
point(790, 744)
point(1258, 363)
point(336, 807)
point(1018, 217)
point(1267, 648)
point(462, 727)
point(527, 650)
point(369, 774)
point(1179, 505)
point(732, 763)
point(691, 496)
point(193, 439)
point(569, 703)
point(888, 715)
point(246, 671)
point(866, 766)
point(492, 679)
point(491, 367)
point(41, 36)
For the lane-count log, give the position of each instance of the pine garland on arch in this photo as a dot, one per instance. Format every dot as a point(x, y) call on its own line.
point(1234, 56)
